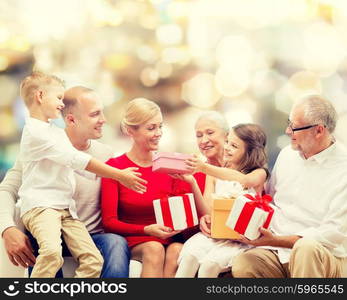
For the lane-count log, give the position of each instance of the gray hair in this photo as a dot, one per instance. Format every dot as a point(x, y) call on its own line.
point(318, 110)
point(217, 118)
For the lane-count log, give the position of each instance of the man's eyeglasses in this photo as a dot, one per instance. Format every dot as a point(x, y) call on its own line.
point(290, 125)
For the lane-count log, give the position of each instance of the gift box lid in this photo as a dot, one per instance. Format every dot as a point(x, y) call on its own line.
point(171, 155)
point(222, 204)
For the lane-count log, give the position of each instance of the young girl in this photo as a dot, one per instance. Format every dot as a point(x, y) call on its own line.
point(245, 160)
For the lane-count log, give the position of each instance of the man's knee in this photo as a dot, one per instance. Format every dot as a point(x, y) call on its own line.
point(245, 265)
point(303, 252)
point(112, 242)
point(121, 241)
point(309, 258)
point(305, 245)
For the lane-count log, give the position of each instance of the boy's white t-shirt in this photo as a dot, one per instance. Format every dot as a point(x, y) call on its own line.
point(48, 160)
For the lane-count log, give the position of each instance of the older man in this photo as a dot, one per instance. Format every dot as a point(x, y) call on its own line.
point(308, 236)
point(84, 119)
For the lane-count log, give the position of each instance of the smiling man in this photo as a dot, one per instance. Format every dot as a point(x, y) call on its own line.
point(308, 236)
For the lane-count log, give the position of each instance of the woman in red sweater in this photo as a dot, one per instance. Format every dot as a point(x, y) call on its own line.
point(131, 214)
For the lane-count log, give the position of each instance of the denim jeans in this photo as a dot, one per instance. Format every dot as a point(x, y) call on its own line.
point(113, 248)
point(116, 254)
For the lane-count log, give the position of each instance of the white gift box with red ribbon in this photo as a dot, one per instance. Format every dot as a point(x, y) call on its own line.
point(177, 212)
point(248, 214)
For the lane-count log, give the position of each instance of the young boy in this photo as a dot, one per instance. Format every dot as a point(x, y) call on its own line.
point(48, 159)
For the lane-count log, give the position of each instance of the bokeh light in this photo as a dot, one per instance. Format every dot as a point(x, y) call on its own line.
point(249, 60)
point(200, 91)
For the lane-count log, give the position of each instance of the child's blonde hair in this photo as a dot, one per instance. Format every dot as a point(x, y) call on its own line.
point(137, 112)
point(254, 138)
point(34, 82)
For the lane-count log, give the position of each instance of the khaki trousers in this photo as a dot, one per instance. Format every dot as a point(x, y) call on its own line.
point(308, 259)
point(47, 225)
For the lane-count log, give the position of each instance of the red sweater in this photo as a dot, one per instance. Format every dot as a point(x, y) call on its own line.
point(126, 212)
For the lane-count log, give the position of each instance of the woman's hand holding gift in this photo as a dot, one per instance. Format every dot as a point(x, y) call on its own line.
point(160, 231)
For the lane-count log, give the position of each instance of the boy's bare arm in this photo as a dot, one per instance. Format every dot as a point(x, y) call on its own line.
point(128, 177)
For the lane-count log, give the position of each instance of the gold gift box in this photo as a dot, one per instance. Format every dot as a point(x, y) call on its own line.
point(220, 212)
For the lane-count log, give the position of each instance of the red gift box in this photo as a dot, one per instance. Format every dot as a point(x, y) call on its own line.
point(177, 212)
point(250, 213)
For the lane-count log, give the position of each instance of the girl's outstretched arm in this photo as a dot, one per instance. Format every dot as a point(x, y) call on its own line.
point(253, 179)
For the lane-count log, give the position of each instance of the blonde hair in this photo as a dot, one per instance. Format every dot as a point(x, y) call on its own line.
point(34, 82)
point(137, 112)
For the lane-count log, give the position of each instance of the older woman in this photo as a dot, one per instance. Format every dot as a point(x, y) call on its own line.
point(211, 131)
point(131, 214)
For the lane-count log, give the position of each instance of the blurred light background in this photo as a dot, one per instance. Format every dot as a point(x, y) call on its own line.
point(248, 59)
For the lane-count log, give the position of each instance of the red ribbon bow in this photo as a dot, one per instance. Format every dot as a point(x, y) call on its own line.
point(263, 202)
point(260, 201)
